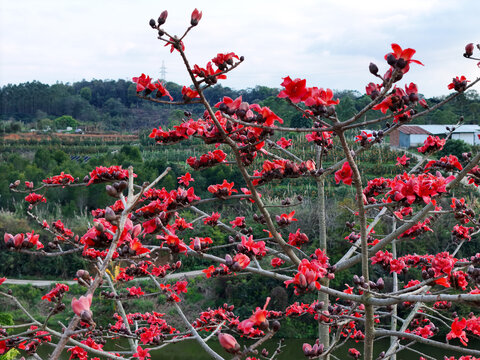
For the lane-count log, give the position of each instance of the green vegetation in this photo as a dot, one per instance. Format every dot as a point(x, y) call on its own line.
point(113, 105)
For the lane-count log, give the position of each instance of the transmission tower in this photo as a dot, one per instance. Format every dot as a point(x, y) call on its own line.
point(163, 71)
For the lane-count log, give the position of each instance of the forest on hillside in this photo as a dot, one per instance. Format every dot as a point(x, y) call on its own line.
point(113, 105)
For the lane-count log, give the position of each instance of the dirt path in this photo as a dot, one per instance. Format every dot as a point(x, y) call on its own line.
point(46, 283)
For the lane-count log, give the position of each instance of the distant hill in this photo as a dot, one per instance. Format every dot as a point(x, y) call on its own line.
point(113, 105)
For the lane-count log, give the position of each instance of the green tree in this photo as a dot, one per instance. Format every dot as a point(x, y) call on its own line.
point(86, 93)
point(64, 121)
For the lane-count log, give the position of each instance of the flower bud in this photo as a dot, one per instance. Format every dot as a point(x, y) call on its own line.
point(196, 17)
point(152, 23)
point(307, 349)
point(111, 191)
point(373, 69)
point(391, 59)
point(162, 18)
point(228, 342)
point(468, 50)
point(275, 325)
point(110, 214)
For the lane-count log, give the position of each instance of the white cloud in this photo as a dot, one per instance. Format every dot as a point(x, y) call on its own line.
point(329, 42)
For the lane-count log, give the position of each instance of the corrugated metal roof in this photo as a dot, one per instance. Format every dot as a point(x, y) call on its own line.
point(412, 129)
point(437, 129)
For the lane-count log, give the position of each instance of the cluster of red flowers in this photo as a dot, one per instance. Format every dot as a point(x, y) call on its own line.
point(284, 143)
point(100, 235)
point(22, 241)
point(144, 268)
point(210, 319)
point(29, 346)
point(62, 179)
point(224, 60)
point(281, 168)
point(34, 198)
point(212, 220)
point(63, 233)
point(188, 94)
point(462, 232)
point(411, 188)
point(135, 291)
point(461, 211)
point(173, 242)
point(447, 163)
point(200, 243)
point(432, 144)
point(222, 190)
point(102, 174)
point(399, 102)
point(309, 272)
point(209, 75)
point(56, 293)
point(117, 208)
point(209, 159)
point(474, 176)
point(316, 99)
point(221, 269)
point(179, 132)
point(375, 187)
point(144, 83)
point(416, 230)
point(251, 248)
point(321, 138)
point(438, 266)
point(162, 203)
point(297, 239)
point(154, 330)
point(373, 90)
point(285, 219)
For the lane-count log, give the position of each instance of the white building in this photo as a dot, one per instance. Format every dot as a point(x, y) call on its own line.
point(414, 135)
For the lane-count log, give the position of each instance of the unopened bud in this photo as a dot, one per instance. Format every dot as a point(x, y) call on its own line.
point(373, 69)
point(110, 214)
point(163, 17)
point(468, 50)
point(111, 191)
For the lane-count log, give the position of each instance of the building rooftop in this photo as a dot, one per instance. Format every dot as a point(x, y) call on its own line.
point(437, 129)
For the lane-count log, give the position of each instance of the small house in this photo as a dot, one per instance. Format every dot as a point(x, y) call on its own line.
point(414, 135)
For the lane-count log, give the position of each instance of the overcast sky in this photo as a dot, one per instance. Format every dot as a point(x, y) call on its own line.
point(328, 42)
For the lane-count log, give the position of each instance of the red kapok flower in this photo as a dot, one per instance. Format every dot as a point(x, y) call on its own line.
point(457, 331)
point(401, 58)
point(185, 179)
point(189, 94)
point(403, 161)
point(141, 354)
point(284, 143)
point(277, 262)
point(81, 307)
point(458, 84)
point(344, 174)
point(295, 90)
